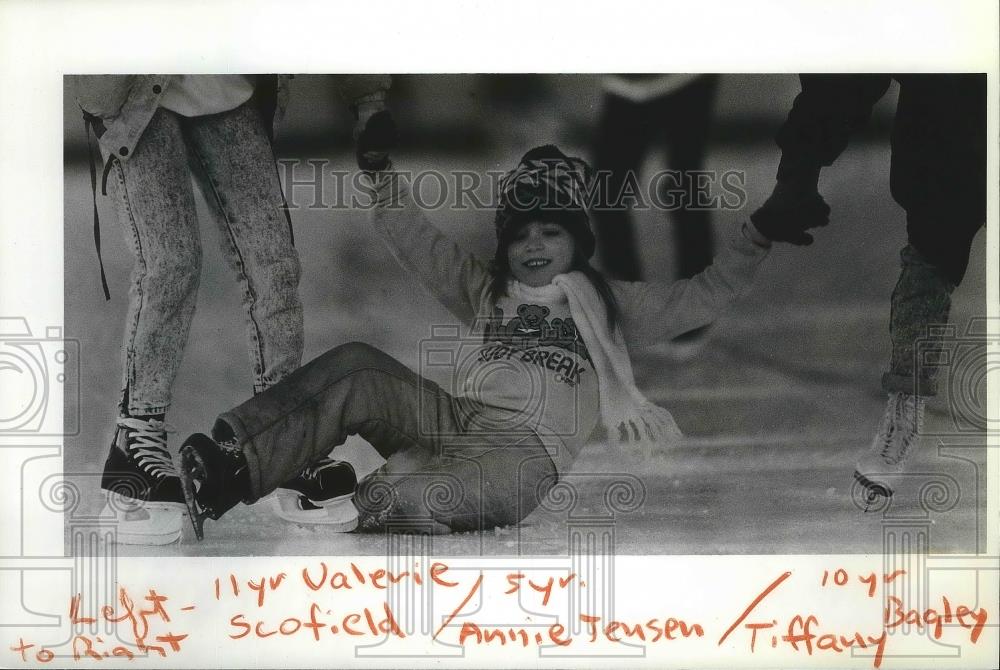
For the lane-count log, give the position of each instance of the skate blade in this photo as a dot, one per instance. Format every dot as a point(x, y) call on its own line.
point(192, 467)
point(874, 492)
point(335, 515)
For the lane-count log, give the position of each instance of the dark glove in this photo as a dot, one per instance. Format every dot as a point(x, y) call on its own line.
point(791, 210)
point(375, 140)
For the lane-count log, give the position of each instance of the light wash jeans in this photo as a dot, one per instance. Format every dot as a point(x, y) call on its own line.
point(443, 472)
point(232, 159)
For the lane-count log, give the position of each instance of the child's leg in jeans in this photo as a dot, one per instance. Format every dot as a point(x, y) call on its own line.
point(155, 205)
point(352, 389)
point(235, 166)
point(470, 488)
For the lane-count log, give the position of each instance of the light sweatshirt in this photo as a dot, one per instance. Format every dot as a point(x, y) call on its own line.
point(528, 369)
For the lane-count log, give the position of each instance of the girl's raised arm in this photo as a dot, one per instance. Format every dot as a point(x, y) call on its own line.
point(658, 311)
point(454, 276)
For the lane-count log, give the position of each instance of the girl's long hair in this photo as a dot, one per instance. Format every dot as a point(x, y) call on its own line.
point(499, 269)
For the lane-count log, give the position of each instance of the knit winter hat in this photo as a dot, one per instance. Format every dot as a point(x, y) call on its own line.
point(547, 185)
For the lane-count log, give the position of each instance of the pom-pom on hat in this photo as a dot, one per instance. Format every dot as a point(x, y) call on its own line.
point(547, 185)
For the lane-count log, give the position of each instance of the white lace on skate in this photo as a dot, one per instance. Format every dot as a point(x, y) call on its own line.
point(147, 444)
point(901, 426)
point(316, 469)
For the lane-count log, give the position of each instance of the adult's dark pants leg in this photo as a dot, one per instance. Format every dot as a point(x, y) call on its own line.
point(939, 178)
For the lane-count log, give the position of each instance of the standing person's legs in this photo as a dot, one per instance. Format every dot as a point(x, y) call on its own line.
point(155, 205)
point(687, 118)
point(235, 166)
point(939, 178)
point(623, 133)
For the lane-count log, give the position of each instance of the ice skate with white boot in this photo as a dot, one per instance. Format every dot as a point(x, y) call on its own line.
point(879, 472)
point(142, 485)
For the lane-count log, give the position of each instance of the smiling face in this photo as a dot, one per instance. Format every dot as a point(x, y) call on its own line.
point(539, 251)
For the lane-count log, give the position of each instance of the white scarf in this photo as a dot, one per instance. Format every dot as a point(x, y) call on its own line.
point(627, 414)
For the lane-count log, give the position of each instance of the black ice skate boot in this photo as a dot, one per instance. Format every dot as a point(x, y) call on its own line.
point(214, 477)
point(141, 484)
point(323, 494)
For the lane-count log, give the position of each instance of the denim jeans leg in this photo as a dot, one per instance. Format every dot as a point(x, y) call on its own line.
point(154, 200)
point(353, 389)
point(921, 300)
point(470, 488)
point(235, 167)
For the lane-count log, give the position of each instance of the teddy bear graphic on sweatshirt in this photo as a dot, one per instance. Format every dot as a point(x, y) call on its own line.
point(531, 328)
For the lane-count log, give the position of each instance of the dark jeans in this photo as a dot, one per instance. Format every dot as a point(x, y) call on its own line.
point(626, 130)
point(442, 474)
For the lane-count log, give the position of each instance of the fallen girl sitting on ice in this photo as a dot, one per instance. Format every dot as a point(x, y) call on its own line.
point(552, 362)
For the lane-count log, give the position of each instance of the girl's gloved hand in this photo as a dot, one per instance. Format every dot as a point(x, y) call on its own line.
point(375, 136)
point(364, 111)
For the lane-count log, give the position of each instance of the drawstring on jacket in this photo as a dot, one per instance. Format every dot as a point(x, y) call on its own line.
point(90, 122)
point(94, 123)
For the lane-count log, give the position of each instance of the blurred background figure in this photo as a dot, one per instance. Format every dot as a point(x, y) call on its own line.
point(639, 112)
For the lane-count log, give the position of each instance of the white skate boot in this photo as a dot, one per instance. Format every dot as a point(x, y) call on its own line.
point(141, 484)
point(322, 495)
point(902, 423)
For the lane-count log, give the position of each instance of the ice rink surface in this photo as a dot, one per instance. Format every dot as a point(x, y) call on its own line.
point(776, 405)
